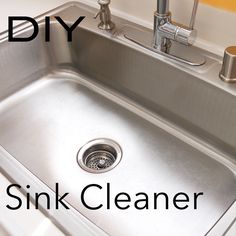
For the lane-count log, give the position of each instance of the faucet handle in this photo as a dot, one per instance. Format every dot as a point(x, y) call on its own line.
point(194, 14)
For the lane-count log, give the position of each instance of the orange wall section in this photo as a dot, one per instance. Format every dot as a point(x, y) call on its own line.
point(224, 4)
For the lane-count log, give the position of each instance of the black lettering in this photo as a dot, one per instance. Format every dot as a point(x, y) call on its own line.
point(127, 199)
point(83, 200)
point(60, 199)
point(185, 198)
point(11, 19)
point(69, 29)
point(196, 195)
point(156, 195)
point(144, 200)
point(14, 196)
point(38, 195)
point(108, 196)
point(47, 29)
point(27, 198)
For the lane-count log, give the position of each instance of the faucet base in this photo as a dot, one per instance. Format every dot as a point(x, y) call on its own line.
point(106, 26)
point(176, 51)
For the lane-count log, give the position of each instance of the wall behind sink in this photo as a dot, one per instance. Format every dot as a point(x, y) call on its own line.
point(215, 20)
point(225, 4)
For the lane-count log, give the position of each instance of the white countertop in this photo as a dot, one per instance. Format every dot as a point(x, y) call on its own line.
point(22, 222)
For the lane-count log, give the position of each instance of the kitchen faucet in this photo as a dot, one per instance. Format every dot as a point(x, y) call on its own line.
point(166, 30)
point(169, 38)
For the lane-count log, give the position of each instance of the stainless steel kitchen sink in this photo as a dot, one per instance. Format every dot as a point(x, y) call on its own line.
point(175, 124)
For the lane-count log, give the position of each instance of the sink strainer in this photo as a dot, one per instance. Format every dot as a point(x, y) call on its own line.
point(99, 155)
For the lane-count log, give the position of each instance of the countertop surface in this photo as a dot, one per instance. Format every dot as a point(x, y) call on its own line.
point(22, 222)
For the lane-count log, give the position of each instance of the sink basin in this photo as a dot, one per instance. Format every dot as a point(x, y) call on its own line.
point(175, 124)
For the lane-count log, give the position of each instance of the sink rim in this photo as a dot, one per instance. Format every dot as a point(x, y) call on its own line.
point(25, 27)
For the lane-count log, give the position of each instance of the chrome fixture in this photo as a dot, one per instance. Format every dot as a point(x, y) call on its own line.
point(166, 30)
point(169, 38)
point(105, 15)
point(228, 71)
point(99, 156)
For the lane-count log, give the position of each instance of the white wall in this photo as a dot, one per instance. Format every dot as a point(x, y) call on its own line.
point(216, 28)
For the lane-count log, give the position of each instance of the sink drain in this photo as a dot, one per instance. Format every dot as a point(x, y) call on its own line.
point(99, 156)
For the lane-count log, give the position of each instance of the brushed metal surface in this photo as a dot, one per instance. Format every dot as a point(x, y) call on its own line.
point(228, 72)
point(45, 125)
point(175, 125)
